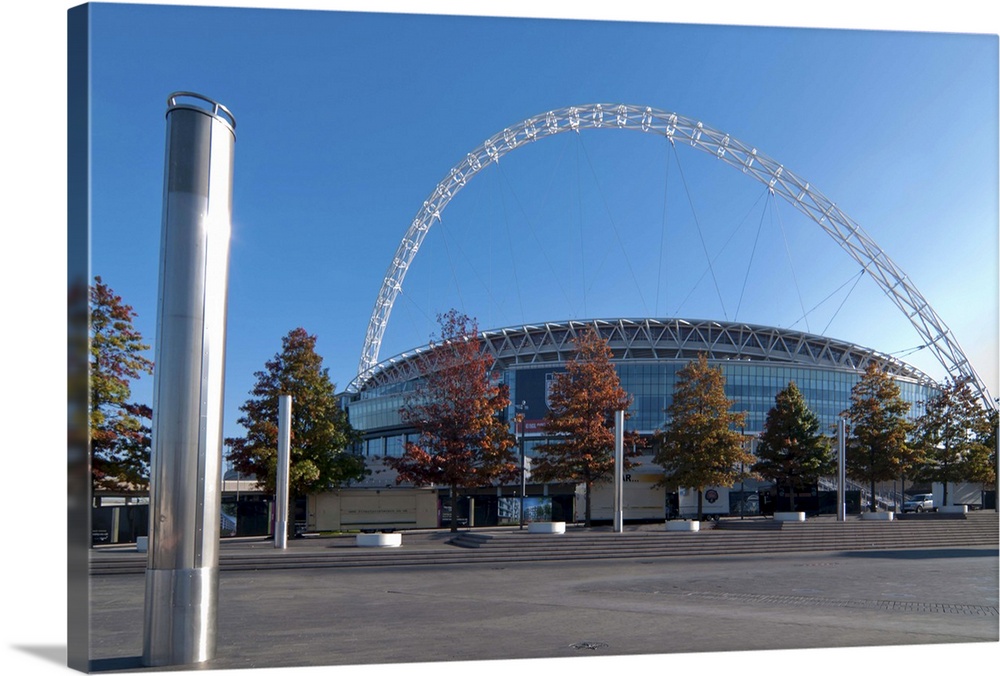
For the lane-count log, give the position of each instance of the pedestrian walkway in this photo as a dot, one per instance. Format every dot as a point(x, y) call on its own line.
point(464, 608)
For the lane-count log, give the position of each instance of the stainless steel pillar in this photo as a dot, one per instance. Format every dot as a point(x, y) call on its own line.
point(841, 469)
point(185, 474)
point(281, 476)
point(619, 469)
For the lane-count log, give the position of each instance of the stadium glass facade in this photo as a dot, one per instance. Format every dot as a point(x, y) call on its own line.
point(757, 363)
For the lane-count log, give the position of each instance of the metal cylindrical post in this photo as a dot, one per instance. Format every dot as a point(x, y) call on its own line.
point(186, 461)
point(619, 469)
point(841, 467)
point(281, 480)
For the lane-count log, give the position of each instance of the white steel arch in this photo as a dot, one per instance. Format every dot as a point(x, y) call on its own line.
point(676, 128)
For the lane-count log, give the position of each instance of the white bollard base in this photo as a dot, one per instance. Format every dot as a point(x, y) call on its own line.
point(379, 539)
point(789, 516)
point(877, 516)
point(684, 526)
point(954, 509)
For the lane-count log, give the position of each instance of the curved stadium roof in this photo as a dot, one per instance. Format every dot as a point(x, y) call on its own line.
point(656, 340)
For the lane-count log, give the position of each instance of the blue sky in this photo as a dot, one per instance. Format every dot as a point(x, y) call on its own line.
point(347, 122)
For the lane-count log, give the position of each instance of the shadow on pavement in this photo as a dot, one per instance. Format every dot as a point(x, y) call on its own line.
point(50, 653)
point(117, 664)
point(915, 554)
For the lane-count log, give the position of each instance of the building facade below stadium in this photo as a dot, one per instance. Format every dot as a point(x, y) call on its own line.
point(757, 362)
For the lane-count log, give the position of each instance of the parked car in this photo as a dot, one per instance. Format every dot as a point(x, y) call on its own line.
point(919, 503)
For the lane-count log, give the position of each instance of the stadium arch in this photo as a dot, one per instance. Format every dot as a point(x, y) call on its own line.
point(937, 337)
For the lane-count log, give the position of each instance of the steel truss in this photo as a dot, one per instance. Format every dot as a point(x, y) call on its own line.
point(676, 129)
point(658, 340)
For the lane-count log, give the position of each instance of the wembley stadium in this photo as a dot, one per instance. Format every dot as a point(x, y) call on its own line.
point(756, 361)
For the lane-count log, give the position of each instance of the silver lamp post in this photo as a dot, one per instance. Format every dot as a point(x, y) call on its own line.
point(185, 470)
point(841, 469)
point(281, 479)
point(519, 418)
point(619, 469)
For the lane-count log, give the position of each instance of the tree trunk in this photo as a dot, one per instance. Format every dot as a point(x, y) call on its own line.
point(791, 499)
point(873, 505)
point(454, 509)
point(701, 494)
point(586, 504)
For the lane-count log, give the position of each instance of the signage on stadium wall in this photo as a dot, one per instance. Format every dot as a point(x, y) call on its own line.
point(534, 426)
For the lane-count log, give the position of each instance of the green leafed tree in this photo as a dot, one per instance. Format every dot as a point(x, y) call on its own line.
point(953, 434)
point(700, 445)
point(878, 445)
point(792, 451)
point(457, 412)
point(988, 473)
point(119, 427)
point(321, 435)
point(582, 405)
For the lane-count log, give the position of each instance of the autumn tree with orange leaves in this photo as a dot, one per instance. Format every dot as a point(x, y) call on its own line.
point(582, 405)
point(463, 440)
point(119, 431)
point(700, 445)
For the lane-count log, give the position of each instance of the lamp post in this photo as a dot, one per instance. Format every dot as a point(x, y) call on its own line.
point(519, 419)
point(841, 466)
point(743, 494)
point(619, 470)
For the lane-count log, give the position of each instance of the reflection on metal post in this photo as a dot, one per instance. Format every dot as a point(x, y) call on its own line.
point(619, 469)
point(281, 480)
point(182, 567)
point(841, 469)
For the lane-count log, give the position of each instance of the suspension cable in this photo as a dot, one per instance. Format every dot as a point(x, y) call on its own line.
point(701, 235)
point(614, 228)
point(791, 267)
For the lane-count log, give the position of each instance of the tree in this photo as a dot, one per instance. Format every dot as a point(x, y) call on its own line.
point(463, 441)
point(582, 405)
point(700, 446)
point(119, 435)
point(792, 452)
point(877, 446)
point(988, 473)
point(953, 434)
point(320, 435)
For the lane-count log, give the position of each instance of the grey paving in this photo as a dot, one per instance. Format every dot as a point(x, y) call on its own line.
point(456, 609)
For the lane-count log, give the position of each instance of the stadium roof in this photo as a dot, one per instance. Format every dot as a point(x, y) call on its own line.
point(655, 340)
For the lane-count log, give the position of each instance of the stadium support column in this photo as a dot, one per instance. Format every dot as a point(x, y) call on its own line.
point(182, 570)
point(619, 469)
point(281, 482)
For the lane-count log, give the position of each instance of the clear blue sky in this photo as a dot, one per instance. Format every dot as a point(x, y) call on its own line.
point(346, 122)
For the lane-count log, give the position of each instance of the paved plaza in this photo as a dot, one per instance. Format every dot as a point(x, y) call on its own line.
point(500, 611)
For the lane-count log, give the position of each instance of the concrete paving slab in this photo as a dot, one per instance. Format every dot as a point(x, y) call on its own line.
point(447, 612)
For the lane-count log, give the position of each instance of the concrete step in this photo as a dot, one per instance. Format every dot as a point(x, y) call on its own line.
point(510, 546)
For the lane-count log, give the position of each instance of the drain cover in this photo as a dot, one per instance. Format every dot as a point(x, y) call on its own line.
point(588, 645)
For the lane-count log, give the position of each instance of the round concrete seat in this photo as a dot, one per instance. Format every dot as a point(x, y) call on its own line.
point(684, 526)
point(789, 516)
point(379, 539)
point(877, 516)
point(547, 527)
